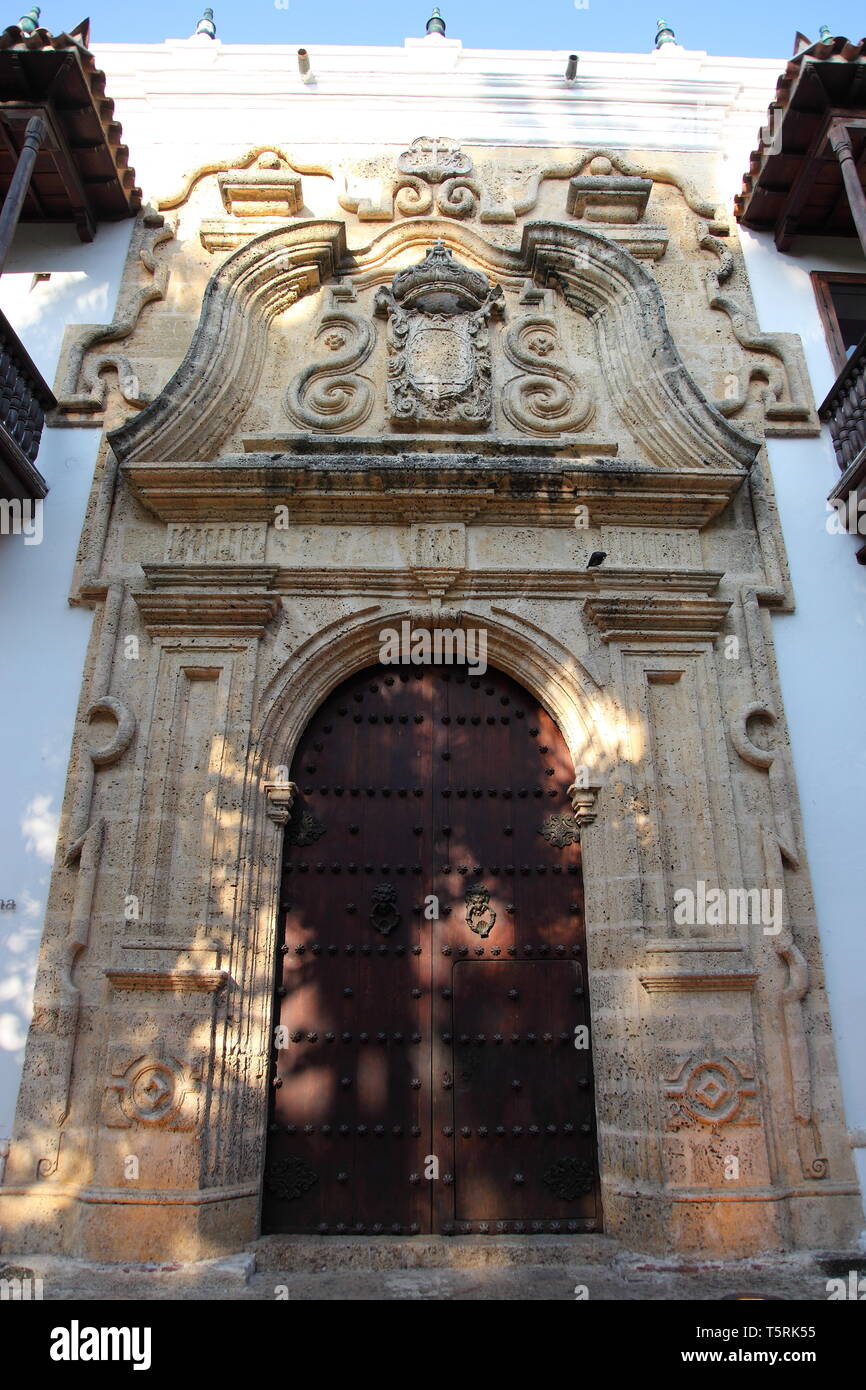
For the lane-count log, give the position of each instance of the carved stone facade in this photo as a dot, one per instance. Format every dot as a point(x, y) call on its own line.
point(431, 382)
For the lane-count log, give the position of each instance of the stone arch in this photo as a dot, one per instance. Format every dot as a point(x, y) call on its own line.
point(553, 675)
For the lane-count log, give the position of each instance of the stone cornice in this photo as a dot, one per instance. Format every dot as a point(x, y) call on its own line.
point(225, 575)
point(646, 243)
point(621, 618)
point(495, 583)
point(206, 613)
point(333, 488)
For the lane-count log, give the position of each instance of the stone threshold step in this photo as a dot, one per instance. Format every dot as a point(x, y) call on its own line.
point(314, 1253)
point(66, 1271)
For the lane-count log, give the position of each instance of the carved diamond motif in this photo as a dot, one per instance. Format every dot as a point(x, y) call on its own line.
point(711, 1093)
point(289, 1178)
point(561, 830)
point(306, 830)
point(569, 1178)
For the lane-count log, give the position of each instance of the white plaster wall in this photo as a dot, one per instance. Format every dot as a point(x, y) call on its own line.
point(186, 101)
point(42, 639)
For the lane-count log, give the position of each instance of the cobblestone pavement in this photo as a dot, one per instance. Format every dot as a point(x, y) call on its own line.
point(454, 1271)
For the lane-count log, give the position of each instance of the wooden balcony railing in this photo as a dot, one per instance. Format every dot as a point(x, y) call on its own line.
point(844, 410)
point(24, 399)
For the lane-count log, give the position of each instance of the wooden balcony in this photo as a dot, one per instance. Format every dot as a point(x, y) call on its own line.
point(844, 410)
point(24, 399)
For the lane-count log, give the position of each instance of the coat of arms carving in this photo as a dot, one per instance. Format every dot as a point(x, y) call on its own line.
point(438, 314)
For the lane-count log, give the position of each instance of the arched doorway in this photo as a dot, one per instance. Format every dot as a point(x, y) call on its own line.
point(431, 1068)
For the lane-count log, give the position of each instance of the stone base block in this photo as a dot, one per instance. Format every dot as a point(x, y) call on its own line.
point(159, 1228)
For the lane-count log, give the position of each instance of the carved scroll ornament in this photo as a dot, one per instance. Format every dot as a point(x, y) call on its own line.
point(547, 398)
point(330, 395)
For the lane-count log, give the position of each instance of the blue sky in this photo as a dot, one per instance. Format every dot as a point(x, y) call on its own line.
point(754, 30)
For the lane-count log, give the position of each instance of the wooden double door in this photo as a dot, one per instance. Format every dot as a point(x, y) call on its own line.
point(431, 1068)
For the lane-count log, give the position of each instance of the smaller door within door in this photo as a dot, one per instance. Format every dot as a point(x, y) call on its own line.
point(523, 1122)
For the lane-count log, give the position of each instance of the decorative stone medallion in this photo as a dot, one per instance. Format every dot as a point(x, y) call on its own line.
point(561, 830)
point(289, 1178)
point(153, 1090)
point(711, 1091)
point(569, 1178)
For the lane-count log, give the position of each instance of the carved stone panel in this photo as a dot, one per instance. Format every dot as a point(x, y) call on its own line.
point(152, 1089)
point(269, 189)
point(603, 195)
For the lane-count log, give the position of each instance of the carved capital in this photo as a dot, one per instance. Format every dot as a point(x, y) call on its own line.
point(840, 140)
point(169, 981)
point(280, 797)
point(243, 613)
point(583, 801)
point(657, 618)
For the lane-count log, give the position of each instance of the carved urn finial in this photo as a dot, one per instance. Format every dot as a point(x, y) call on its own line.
point(824, 35)
point(664, 33)
point(206, 25)
point(29, 23)
point(436, 24)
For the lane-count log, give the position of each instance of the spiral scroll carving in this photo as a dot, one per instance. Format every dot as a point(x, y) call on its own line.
point(329, 395)
point(547, 398)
